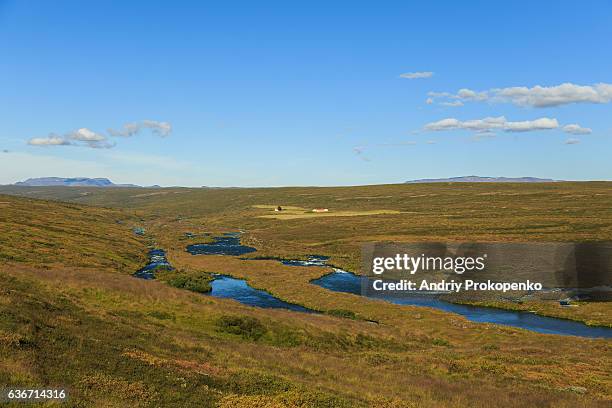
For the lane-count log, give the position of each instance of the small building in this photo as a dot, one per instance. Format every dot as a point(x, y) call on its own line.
point(320, 210)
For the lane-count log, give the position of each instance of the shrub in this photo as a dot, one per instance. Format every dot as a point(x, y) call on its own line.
point(248, 328)
point(194, 281)
point(440, 342)
point(343, 313)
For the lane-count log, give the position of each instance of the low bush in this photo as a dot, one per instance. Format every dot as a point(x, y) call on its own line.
point(248, 328)
point(343, 313)
point(194, 281)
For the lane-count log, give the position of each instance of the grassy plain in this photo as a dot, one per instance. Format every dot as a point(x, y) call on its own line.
point(294, 213)
point(542, 212)
point(71, 315)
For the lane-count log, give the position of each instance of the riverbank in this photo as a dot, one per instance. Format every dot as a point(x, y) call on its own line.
point(596, 314)
point(591, 313)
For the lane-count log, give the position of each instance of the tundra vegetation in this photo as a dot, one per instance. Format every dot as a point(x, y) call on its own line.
point(72, 315)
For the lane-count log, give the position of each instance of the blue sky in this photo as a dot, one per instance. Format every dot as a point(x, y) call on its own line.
point(281, 93)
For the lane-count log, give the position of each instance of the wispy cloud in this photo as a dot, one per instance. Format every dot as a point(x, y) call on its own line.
point(162, 129)
point(51, 140)
point(88, 138)
point(463, 95)
point(576, 129)
point(129, 129)
point(452, 103)
point(537, 96)
point(572, 141)
point(80, 137)
point(417, 75)
point(491, 124)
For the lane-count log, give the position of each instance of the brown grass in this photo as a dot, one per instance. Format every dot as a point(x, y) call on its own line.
point(68, 317)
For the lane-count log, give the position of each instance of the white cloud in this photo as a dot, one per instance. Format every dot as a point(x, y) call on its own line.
point(572, 141)
point(86, 135)
point(89, 138)
point(417, 75)
point(576, 129)
point(79, 137)
point(162, 129)
point(51, 140)
point(530, 125)
point(537, 96)
point(129, 129)
point(463, 95)
point(432, 95)
point(452, 104)
point(567, 93)
point(493, 123)
point(469, 95)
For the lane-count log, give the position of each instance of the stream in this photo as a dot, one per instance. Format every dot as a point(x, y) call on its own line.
point(224, 286)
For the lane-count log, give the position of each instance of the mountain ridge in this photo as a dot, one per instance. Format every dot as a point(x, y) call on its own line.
point(481, 179)
point(71, 182)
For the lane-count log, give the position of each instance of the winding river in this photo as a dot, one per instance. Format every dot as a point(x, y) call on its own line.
point(223, 286)
point(347, 282)
point(238, 289)
point(342, 281)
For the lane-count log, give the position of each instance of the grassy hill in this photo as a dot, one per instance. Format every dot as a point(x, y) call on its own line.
point(416, 212)
point(71, 315)
point(51, 234)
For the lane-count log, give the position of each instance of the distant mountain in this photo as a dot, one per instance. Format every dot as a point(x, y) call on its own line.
point(478, 179)
point(71, 182)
